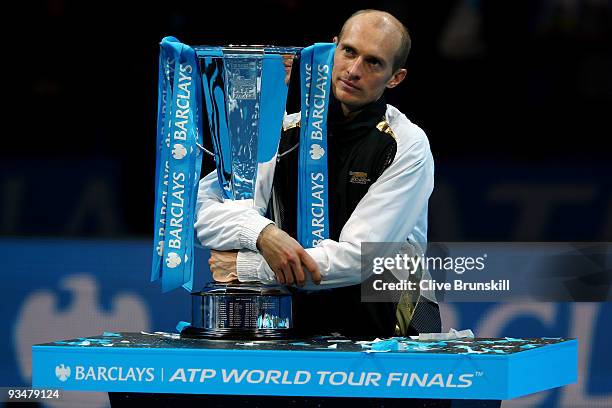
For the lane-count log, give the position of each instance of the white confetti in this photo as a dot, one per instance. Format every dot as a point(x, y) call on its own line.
point(451, 335)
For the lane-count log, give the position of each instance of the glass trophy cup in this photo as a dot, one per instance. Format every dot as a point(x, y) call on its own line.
point(244, 96)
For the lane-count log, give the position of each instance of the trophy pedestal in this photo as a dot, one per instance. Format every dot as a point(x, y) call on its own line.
point(240, 311)
point(442, 371)
point(193, 332)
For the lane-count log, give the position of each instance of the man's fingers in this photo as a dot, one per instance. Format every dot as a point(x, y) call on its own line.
point(288, 274)
point(298, 273)
point(280, 277)
point(312, 267)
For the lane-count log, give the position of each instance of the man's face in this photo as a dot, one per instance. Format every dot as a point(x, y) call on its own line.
point(363, 63)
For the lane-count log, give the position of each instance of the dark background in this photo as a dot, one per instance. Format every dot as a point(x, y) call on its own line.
point(514, 96)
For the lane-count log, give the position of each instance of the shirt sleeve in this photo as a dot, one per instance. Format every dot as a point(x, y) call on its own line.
point(227, 224)
point(389, 212)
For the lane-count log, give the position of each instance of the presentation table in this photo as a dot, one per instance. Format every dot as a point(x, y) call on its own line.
point(320, 367)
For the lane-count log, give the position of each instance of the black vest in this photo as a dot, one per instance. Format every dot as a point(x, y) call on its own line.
point(358, 152)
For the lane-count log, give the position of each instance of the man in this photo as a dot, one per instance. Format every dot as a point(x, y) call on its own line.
point(380, 180)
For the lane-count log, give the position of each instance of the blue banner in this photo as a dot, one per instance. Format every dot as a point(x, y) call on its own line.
point(163, 363)
point(313, 216)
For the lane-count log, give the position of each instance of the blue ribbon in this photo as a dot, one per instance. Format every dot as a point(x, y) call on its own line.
point(178, 164)
point(316, 64)
point(164, 104)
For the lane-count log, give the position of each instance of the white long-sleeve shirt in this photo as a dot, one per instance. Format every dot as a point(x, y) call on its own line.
point(393, 210)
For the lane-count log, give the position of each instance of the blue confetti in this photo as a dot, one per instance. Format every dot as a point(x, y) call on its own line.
point(469, 350)
point(83, 341)
point(110, 334)
point(180, 326)
point(426, 344)
point(391, 344)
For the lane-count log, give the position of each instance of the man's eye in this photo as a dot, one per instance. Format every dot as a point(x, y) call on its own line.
point(348, 50)
point(374, 62)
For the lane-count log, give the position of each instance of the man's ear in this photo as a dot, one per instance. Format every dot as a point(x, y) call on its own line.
point(335, 40)
point(397, 78)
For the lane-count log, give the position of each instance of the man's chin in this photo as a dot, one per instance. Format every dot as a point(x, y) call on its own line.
point(348, 100)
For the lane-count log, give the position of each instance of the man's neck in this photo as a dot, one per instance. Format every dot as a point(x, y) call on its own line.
point(348, 113)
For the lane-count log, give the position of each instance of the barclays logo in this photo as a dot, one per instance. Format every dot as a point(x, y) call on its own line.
point(173, 260)
point(114, 373)
point(316, 151)
point(62, 372)
point(83, 313)
point(179, 151)
point(106, 374)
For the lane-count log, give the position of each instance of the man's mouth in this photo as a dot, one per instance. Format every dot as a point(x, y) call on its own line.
point(348, 85)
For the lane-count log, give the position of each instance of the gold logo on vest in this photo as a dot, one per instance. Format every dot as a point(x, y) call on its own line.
point(359, 177)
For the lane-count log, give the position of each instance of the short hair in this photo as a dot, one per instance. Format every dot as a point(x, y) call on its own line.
point(405, 42)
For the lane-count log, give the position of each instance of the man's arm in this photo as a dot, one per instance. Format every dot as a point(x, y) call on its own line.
point(389, 212)
point(225, 224)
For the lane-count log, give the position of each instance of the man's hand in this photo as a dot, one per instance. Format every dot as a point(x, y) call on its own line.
point(287, 63)
point(223, 265)
point(286, 257)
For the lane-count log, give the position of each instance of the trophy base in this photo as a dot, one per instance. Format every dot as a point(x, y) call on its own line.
point(192, 332)
point(240, 311)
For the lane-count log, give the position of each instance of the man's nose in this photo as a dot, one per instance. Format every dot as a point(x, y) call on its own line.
point(355, 68)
